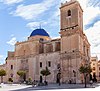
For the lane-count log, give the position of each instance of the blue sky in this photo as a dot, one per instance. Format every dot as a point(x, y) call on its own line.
point(19, 17)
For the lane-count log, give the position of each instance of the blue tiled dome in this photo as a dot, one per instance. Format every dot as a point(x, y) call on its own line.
point(40, 32)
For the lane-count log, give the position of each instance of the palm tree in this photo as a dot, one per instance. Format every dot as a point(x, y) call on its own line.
point(21, 73)
point(85, 70)
point(45, 72)
point(2, 73)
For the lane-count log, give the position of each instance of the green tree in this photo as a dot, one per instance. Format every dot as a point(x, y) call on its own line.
point(29, 81)
point(85, 70)
point(45, 72)
point(21, 73)
point(2, 73)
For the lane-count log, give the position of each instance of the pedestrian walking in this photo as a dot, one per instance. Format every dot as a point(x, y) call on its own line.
point(91, 83)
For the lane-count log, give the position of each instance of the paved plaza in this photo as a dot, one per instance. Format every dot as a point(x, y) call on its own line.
point(62, 87)
point(11, 87)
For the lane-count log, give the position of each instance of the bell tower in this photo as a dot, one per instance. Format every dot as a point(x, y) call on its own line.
point(71, 17)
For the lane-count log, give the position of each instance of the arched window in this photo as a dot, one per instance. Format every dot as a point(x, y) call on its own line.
point(69, 12)
point(11, 67)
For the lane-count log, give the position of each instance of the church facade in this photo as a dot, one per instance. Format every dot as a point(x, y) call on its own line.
point(68, 52)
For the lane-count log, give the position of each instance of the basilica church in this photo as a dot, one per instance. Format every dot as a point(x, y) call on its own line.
point(68, 52)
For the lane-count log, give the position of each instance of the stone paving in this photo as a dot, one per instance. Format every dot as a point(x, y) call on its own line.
point(11, 87)
point(22, 87)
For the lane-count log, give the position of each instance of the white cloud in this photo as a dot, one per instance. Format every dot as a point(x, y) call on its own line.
point(1, 56)
point(34, 25)
point(12, 41)
point(90, 13)
point(93, 35)
point(62, 1)
point(10, 1)
point(55, 37)
point(34, 10)
point(1, 59)
point(94, 3)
